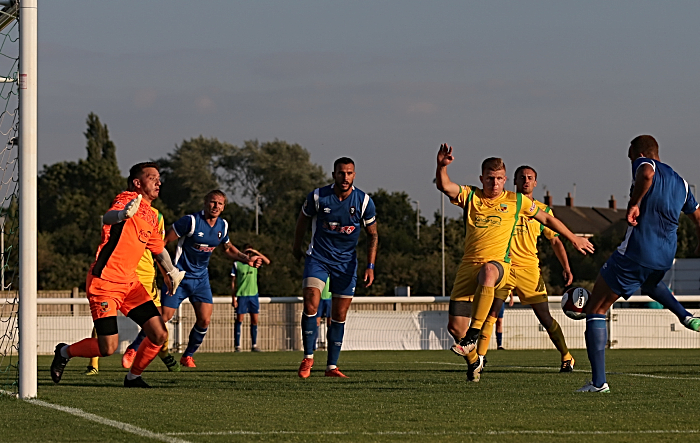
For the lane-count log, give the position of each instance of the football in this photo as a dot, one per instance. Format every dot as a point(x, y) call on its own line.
point(573, 301)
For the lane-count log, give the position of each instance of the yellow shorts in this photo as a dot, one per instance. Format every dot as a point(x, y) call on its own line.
point(467, 280)
point(152, 290)
point(527, 284)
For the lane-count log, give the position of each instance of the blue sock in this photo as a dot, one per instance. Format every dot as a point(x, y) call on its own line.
point(335, 341)
point(663, 295)
point(237, 333)
point(137, 341)
point(499, 338)
point(309, 330)
point(254, 334)
point(316, 333)
point(197, 335)
point(596, 339)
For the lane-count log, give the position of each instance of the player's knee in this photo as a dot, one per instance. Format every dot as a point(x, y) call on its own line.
point(203, 322)
point(455, 331)
point(108, 348)
point(160, 337)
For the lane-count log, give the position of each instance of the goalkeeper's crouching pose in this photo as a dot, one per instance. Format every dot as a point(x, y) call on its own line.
point(130, 227)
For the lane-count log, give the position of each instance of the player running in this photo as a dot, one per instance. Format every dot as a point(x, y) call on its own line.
point(129, 228)
point(198, 235)
point(146, 272)
point(245, 297)
point(337, 213)
point(658, 197)
point(491, 216)
point(525, 278)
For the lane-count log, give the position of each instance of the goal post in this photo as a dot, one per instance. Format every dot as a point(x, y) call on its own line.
point(28, 170)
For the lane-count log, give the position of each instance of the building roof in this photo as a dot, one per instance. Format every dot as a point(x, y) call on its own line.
point(586, 221)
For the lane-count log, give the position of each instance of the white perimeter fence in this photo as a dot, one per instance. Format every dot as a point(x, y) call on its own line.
point(373, 323)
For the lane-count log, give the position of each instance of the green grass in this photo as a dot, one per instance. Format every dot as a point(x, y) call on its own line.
point(390, 396)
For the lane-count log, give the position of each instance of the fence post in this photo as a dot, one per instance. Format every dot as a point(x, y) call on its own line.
point(74, 294)
point(610, 320)
point(178, 329)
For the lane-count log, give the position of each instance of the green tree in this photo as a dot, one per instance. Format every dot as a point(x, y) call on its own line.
point(72, 198)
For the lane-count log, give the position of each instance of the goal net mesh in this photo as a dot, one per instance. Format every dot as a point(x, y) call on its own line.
point(9, 192)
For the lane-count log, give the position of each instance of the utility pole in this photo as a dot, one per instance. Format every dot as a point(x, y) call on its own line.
point(257, 213)
point(417, 219)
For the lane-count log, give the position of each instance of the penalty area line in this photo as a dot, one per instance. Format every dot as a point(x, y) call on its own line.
point(446, 433)
point(106, 421)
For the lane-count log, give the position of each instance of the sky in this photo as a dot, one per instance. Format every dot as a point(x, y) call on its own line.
point(560, 86)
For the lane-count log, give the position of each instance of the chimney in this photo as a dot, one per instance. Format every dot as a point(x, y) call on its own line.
point(612, 203)
point(569, 200)
point(548, 199)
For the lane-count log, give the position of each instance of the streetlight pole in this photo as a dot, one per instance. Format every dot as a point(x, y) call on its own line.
point(257, 212)
point(417, 219)
point(442, 214)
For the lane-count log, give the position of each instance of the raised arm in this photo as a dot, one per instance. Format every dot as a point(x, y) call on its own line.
point(560, 252)
point(643, 179)
point(442, 180)
point(372, 244)
point(237, 255)
point(581, 244)
point(116, 215)
point(299, 231)
point(253, 253)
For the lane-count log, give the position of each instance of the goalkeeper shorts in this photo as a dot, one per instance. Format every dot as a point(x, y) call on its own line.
point(106, 297)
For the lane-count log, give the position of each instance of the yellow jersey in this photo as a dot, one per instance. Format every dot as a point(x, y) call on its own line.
point(523, 249)
point(146, 270)
point(490, 222)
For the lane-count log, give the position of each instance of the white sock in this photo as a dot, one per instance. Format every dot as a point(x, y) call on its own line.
point(130, 376)
point(64, 351)
point(330, 367)
point(311, 356)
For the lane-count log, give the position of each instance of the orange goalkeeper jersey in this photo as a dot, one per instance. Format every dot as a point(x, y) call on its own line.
point(124, 243)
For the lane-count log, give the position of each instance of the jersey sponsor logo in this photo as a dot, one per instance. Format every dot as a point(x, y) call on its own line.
point(485, 222)
point(144, 235)
point(335, 227)
point(520, 230)
point(203, 248)
point(533, 207)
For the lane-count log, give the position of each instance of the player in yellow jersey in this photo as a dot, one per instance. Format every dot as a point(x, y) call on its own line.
point(525, 278)
point(491, 215)
point(146, 272)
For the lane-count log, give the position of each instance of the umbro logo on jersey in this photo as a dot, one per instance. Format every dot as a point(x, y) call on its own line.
point(327, 210)
point(200, 234)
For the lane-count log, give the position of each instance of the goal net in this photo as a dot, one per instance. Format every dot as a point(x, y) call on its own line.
point(9, 195)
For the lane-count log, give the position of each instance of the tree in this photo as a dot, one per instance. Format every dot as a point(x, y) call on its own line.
point(72, 198)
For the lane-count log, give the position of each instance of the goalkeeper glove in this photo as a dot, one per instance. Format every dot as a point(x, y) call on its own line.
point(130, 208)
point(176, 277)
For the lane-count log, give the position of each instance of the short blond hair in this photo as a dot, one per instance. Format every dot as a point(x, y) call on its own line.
point(493, 164)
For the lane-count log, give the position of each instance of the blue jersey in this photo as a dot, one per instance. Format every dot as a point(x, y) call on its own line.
point(652, 243)
point(197, 241)
point(335, 228)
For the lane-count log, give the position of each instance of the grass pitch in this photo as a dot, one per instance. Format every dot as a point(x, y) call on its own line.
point(390, 396)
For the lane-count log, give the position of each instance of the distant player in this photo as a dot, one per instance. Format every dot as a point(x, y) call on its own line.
point(146, 272)
point(337, 213)
point(197, 236)
point(323, 313)
point(130, 227)
point(659, 195)
point(525, 279)
point(245, 297)
point(492, 214)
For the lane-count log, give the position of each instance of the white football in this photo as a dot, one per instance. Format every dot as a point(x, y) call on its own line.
point(573, 301)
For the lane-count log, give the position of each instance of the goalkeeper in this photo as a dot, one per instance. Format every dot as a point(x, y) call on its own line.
point(130, 227)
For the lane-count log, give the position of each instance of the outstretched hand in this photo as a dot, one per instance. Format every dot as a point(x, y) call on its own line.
point(582, 245)
point(255, 261)
point(444, 156)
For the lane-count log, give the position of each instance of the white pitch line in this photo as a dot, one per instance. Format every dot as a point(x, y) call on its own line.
point(105, 421)
point(446, 433)
point(630, 374)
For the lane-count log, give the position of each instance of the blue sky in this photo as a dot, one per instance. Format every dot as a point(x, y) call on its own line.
point(562, 86)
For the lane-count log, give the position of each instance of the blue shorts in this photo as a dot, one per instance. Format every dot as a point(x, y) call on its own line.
point(324, 308)
point(343, 276)
point(248, 304)
point(625, 276)
point(196, 289)
point(502, 311)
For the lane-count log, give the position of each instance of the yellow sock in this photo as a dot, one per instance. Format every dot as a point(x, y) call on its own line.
point(559, 341)
point(472, 357)
point(482, 305)
point(164, 350)
point(482, 346)
point(94, 361)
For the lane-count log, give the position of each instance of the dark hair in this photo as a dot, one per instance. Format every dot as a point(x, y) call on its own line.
point(343, 161)
point(521, 168)
point(136, 172)
point(646, 145)
point(492, 164)
point(216, 192)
